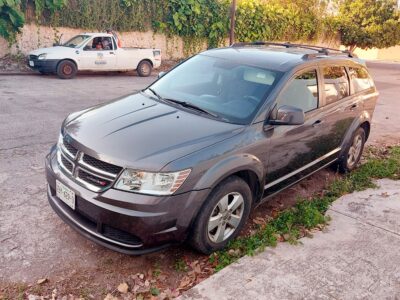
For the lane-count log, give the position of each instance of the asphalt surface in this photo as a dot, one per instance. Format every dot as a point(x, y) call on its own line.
point(357, 257)
point(34, 242)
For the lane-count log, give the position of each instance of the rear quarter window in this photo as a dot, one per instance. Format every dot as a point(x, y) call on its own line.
point(360, 79)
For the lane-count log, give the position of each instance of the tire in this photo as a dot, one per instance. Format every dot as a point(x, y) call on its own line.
point(66, 69)
point(144, 68)
point(207, 235)
point(348, 162)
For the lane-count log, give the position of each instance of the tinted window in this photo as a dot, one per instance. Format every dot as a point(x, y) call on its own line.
point(301, 92)
point(224, 87)
point(360, 79)
point(336, 84)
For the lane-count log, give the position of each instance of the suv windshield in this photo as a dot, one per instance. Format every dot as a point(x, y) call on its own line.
point(223, 87)
point(76, 41)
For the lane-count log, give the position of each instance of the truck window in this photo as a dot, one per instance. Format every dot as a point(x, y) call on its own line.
point(336, 84)
point(360, 79)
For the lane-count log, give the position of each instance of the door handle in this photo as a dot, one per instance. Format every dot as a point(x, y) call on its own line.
point(112, 53)
point(317, 123)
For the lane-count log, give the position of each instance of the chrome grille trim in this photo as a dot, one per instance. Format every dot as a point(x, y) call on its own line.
point(78, 164)
point(97, 170)
point(59, 153)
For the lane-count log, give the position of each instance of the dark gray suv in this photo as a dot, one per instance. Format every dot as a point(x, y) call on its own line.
point(188, 157)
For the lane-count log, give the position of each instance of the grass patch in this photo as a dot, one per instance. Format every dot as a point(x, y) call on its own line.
point(307, 214)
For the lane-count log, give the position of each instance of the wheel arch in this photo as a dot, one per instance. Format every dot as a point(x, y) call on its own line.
point(68, 59)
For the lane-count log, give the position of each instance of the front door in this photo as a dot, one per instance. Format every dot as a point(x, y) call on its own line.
point(295, 150)
point(98, 54)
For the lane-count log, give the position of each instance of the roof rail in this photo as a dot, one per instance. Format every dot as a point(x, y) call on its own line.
point(320, 50)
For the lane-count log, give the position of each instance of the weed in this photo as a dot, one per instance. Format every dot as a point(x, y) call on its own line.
point(180, 265)
point(293, 223)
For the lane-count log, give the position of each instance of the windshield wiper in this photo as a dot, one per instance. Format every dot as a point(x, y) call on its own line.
point(155, 93)
point(192, 106)
point(184, 104)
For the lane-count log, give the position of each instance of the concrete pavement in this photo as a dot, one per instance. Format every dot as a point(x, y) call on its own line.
point(357, 257)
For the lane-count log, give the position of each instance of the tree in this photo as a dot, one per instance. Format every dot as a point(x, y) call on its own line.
point(11, 19)
point(369, 23)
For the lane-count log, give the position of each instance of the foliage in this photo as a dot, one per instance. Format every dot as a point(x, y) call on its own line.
point(11, 19)
point(369, 23)
point(293, 223)
point(277, 20)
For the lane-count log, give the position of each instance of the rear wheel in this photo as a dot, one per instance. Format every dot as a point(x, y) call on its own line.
point(223, 215)
point(66, 69)
point(352, 155)
point(144, 68)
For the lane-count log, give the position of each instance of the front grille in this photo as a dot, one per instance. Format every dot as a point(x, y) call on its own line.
point(90, 172)
point(98, 164)
point(71, 149)
point(120, 236)
point(92, 179)
point(33, 57)
point(67, 164)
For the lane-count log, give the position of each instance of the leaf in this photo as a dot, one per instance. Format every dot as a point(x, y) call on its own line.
point(123, 288)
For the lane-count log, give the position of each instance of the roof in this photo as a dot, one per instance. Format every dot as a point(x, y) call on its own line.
point(280, 57)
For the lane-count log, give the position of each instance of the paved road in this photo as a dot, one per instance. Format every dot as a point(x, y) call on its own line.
point(32, 237)
point(357, 258)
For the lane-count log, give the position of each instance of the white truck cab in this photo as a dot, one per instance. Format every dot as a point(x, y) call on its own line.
point(93, 52)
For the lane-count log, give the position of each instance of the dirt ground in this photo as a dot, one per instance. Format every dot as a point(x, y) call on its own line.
point(40, 255)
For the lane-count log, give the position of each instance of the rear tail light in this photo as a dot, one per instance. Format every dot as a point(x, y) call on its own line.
point(157, 54)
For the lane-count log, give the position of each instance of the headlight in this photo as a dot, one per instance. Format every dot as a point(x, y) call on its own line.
point(42, 56)
point(151, 183)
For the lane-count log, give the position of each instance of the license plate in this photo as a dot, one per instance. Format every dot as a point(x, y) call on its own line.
point(31, 63)
point(65, 194)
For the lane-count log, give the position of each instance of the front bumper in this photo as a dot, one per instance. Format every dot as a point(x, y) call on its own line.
point(43, 65)
point(122, 221)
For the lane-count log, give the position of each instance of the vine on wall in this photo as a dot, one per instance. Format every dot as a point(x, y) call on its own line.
point(198, 22)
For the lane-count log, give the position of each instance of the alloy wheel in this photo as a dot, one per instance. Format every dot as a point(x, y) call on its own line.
point(225, 217)
point(354, 151)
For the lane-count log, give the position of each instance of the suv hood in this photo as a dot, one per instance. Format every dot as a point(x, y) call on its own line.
point(142, 133)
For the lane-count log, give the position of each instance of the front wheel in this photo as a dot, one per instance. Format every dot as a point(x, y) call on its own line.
point(354, 150)
point(66, 69)
point(223, 215)
point(144, 68)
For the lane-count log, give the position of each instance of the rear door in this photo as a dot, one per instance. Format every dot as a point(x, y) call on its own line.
point(295, 150)
point(339, 107)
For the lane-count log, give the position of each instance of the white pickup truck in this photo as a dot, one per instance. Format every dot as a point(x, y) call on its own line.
point(93, 52)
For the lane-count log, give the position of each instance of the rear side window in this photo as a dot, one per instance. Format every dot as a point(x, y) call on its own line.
point(336, 84)
point(301, 92)
point(360, 79)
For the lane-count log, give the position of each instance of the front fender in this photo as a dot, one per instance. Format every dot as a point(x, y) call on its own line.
point(228, 166)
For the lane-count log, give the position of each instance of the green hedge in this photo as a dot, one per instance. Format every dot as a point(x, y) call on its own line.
point(194, 20)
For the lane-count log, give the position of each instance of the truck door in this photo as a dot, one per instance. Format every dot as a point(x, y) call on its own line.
point(98, 54)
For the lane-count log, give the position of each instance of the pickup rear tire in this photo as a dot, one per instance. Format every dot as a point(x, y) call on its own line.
point(66, 69)
point(144, 68)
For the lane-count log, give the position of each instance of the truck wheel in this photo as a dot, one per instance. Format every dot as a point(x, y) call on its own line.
point(66, 69)
point(144, 68)
point(222, 216)
point(352, 155)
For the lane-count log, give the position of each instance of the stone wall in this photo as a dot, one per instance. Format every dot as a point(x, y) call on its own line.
point(33, 37)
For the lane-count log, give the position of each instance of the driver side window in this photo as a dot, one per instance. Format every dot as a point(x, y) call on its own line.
point(301, 92)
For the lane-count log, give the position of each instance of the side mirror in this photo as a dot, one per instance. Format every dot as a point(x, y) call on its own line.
point(288, 115)
point(161, 74)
